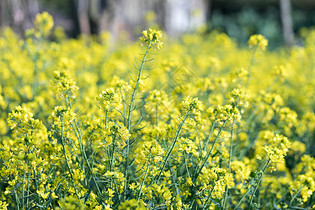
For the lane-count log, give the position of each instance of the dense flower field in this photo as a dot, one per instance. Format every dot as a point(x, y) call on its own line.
point(197, 123)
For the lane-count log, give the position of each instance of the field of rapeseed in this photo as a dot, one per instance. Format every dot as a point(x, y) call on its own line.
point(197, 123)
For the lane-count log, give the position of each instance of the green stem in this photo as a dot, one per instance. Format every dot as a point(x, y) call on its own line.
point(296, 194)
point(36, 186)
point(230, 160)
point(112, 160)
point(208, 155)
point(129, 119)
point(78, 136)
point(174, 181)
point(67, 162)
point(16, 199)
point(249, 190)
point(167, 155)
point(106, 116)
point(34, 85)
point(145, 176)
point(259, 181)
point(133, 96)
point(23, 190)
point(209, 198)
point(243, 197)
point(209, 137)
point(157, 115)
point(28, 189)
point(251, 66)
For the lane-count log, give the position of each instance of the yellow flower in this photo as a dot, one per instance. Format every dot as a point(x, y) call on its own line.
point(258, 41)
point(152, 37)
point(132, 204)
point(64, 86)
point(44, 23)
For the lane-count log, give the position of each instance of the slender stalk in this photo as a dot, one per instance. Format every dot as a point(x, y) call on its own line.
point(192, 203)
point(23, 190)
point(129, 119)
point(78, 136)
point(17, 200)
point(259, 181)
point(36, 186)
point(167, 155)
point(157, 115)
point(67, 163)
point(106, 116)
point(296, 194)
point(133, 96)
point(34, 85)
point(28, 188)
point(250, 189)
point(208, 155)
point(174, 181)
point(243, 197)
point(145, 176)
point(124, 107)
point(209, 136)
point(209, 198)
point(251, 66)
point(112, 160)
point(230, 160)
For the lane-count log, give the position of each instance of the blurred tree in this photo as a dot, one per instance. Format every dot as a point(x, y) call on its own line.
point(18, 14)
point(286, 19)
point(102, 14)
point(238, 18)
point(185, 15)
point(83, 16)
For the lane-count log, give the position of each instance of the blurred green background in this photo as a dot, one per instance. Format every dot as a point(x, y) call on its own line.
point(279, 20)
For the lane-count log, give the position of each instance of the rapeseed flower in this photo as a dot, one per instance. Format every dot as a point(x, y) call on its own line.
point(190, 133)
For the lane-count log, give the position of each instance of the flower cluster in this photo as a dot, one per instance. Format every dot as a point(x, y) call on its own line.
point(44, 23)
point(62, 118)
point(152, 37)
point(237, 97)
point(276, 147)
point(258, 41)
point(25, 127)
point(192, 105)
point(64, 85)
point(226, 113)
point(108, 99)
point(157, 103)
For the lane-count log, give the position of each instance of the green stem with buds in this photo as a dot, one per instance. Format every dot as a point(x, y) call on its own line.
point(131, 109)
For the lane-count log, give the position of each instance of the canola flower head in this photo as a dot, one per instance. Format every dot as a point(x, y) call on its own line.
point(258, 41)
point(157, 101)
point(238, 97)
point(132, 204)
point(63, 84)
point(280, 70)
point(193, 105)
point(226, 113)
point(62, 118)
point(276, 148)
point(3, 205)
point(307, 186)
point(108, 98)
point(152, 37)
point(119, 130)
point(44, 23)
point(21, 115)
